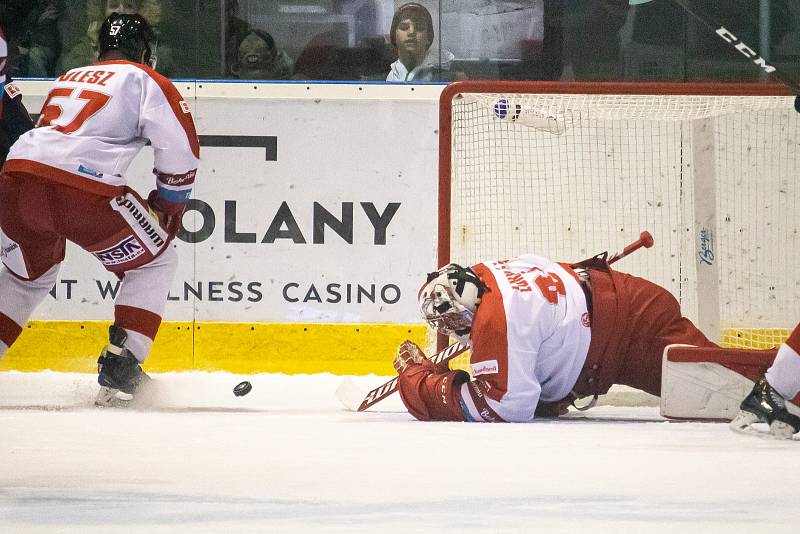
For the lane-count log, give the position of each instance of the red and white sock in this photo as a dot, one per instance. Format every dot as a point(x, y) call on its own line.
point(784, 375)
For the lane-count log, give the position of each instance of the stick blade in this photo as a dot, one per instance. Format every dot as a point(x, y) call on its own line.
point(349, 394)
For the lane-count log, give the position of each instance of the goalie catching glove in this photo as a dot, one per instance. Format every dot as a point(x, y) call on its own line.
point(429, 392)
point(408, 353)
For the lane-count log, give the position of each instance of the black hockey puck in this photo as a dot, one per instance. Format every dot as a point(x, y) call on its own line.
point(242, 388)
point(797, 103)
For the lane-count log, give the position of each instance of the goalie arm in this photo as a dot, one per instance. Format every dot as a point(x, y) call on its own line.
point(429, 391)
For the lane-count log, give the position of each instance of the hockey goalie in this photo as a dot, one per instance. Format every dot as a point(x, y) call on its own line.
point(544, 334)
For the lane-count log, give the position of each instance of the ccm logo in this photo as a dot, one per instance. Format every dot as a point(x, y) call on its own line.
point(745, 50)
point(485, 368)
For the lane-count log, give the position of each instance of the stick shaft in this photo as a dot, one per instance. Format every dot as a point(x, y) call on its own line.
point(715, 25)
point(384, 390)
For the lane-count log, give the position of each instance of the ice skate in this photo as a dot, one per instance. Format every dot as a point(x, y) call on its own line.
point(765, 405)
point(120, 376)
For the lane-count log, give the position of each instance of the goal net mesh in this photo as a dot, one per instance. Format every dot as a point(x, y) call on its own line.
point(570, 175)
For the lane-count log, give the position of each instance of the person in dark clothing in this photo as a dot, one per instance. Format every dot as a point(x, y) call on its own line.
point(14, 118)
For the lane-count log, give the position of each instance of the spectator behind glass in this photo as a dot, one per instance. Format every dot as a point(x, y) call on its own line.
point(258, 58)
point(33, 35)
point(236, 30)
point(14, 118)
point(84, 50)
point(412, 36)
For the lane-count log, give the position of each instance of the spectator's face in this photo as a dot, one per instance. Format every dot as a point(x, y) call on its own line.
point(129, 7)
point(256, 59)
point(412, 37)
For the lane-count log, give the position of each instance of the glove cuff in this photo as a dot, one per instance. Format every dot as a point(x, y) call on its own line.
point(173, 190)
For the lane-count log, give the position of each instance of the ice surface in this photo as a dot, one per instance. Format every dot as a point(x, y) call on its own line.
point(288, 458)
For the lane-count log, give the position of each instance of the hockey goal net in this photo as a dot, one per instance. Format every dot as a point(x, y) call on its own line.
point(567, 170)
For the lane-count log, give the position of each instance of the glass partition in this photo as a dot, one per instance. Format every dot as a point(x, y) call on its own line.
point(424, 41)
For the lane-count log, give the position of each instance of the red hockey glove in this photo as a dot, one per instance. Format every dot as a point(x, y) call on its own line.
point(168, 213)
point(408, 353)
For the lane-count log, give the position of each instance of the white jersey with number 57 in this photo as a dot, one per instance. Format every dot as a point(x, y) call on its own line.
point(97, 118)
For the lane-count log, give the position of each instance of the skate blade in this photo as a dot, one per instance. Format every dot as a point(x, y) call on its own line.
point(744, 421)
point(112, 398)
point(781, 430)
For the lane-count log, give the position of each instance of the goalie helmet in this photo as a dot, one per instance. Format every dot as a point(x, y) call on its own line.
point(449, 299)
point(131, 35)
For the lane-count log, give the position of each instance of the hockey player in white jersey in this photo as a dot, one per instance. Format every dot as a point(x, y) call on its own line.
point(66, 180)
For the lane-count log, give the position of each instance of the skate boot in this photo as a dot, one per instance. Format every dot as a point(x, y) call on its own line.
point(119, 374)
point(765, 405)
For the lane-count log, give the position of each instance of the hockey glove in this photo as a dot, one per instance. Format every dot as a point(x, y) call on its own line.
point(167, 213)
point(408, 353)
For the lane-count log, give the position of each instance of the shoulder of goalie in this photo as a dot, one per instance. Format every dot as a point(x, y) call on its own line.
point(431, 392)
point(708, 383)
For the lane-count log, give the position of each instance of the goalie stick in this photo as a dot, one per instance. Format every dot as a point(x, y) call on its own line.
point(353, 399)
point(351, 396)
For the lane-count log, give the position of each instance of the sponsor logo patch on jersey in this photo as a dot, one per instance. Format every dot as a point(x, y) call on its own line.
point(586, 320)
point(91, 172)
point(184, 106)
point(485, 368)
point(125, 251)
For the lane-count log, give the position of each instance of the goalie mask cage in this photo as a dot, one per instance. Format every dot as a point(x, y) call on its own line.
point(567, 170)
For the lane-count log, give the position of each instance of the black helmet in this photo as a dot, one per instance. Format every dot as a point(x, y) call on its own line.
point(131, 35)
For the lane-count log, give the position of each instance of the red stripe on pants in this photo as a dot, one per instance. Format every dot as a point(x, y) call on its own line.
point(9, 330)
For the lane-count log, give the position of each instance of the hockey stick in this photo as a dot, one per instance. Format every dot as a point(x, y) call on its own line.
point(738, 45)
point(353, 398)
point(645, 240)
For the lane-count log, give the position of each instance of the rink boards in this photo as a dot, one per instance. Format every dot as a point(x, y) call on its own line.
point(310, 229)
point(311, 226)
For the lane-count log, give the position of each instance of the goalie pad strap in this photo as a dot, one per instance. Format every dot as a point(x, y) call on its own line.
point(431, 395)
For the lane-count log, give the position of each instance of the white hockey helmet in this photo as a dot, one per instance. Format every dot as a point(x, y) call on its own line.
point(449, 299)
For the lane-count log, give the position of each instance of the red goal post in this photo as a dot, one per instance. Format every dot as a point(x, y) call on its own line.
point(567, 170)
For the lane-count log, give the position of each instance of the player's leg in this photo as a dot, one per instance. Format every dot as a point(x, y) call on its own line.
point(138, 309)
point(18, 299)
point(31, 254)
point(769, 401)
point(654, 321)
point(123, 236)
point(784, 374)
point(141, 299)
point(709, 382)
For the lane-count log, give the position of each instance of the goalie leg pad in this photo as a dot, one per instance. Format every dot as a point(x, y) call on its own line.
point(708, 383)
